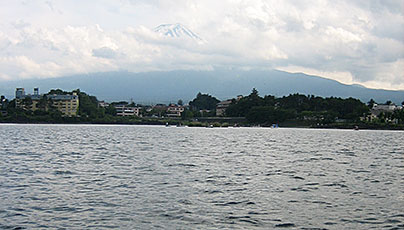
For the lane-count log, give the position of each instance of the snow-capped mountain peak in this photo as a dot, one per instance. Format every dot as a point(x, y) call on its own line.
point(177, 31)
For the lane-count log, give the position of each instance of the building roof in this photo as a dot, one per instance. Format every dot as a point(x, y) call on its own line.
point(62, 97)
point(225, 103)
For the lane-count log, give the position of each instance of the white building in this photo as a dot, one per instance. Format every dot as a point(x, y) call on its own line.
point(123, 110)
point(384, 108)
point(174, 110)
point(103, 104)
point(378, 109)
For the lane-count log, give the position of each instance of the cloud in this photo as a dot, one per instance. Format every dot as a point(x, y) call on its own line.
point(342, 35)
point(105, 52)
point(349, 41)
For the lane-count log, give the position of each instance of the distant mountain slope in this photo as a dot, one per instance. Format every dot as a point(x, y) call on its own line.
point(165, 87)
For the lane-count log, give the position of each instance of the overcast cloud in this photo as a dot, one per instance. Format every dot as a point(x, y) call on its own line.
point(350, 41)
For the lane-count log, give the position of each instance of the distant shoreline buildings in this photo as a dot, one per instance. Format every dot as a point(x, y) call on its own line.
point(67, 104)
point(377, 110)
point(253, 109)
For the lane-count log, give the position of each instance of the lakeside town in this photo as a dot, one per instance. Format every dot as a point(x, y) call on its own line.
point(295, 110)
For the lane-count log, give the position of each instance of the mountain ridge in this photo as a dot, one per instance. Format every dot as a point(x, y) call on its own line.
point(170, 86)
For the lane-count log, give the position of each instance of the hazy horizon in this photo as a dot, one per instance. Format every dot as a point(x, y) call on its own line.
point(169, 87)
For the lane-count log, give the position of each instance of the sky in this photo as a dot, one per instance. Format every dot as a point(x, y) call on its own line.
point(351, 41)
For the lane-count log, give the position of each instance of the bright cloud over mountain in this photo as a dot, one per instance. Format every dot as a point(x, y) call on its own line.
point(349, 41)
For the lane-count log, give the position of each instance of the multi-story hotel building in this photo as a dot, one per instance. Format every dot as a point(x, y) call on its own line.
point(67, 104)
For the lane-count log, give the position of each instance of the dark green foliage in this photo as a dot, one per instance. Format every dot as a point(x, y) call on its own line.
point(187, 114)
point(58, 92)
point(297, 102)
point(269, 115)
point(399, 115)
point(11, 106)
point(371, 102)
point(3, 103)
point(242, 107)
point(27, 102)
point(43, 103)
point(204, 102)
point(110, 110)
point(157, 112)
point(296, 106)
point(88, 106)
point(119, 103)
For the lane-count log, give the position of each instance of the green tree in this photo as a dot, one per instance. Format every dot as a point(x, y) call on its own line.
point(11, 106)
point(27, 102)
point(187, 114)
point(44, 103)
point(296, 101)
point(3, 103)
point(88, 106)
point(119, 103)
point(240, 108)
point(204, 102)
point(110, 110)
point(399, 115)
point(269, 115)
point(371, 103)
point(57, 92)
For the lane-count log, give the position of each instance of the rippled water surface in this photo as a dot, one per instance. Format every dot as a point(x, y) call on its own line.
point(149, 177)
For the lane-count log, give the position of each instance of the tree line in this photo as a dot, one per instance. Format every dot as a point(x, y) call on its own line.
point(269, 109)
point(295, 108)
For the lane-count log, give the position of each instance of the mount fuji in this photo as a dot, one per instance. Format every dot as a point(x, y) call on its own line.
point(177, 31)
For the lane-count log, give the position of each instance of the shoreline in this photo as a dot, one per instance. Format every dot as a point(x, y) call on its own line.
point(207, 125)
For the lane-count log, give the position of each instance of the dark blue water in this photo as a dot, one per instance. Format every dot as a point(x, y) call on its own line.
point(147, 177)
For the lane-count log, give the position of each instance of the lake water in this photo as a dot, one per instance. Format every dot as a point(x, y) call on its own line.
point(153, 177)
